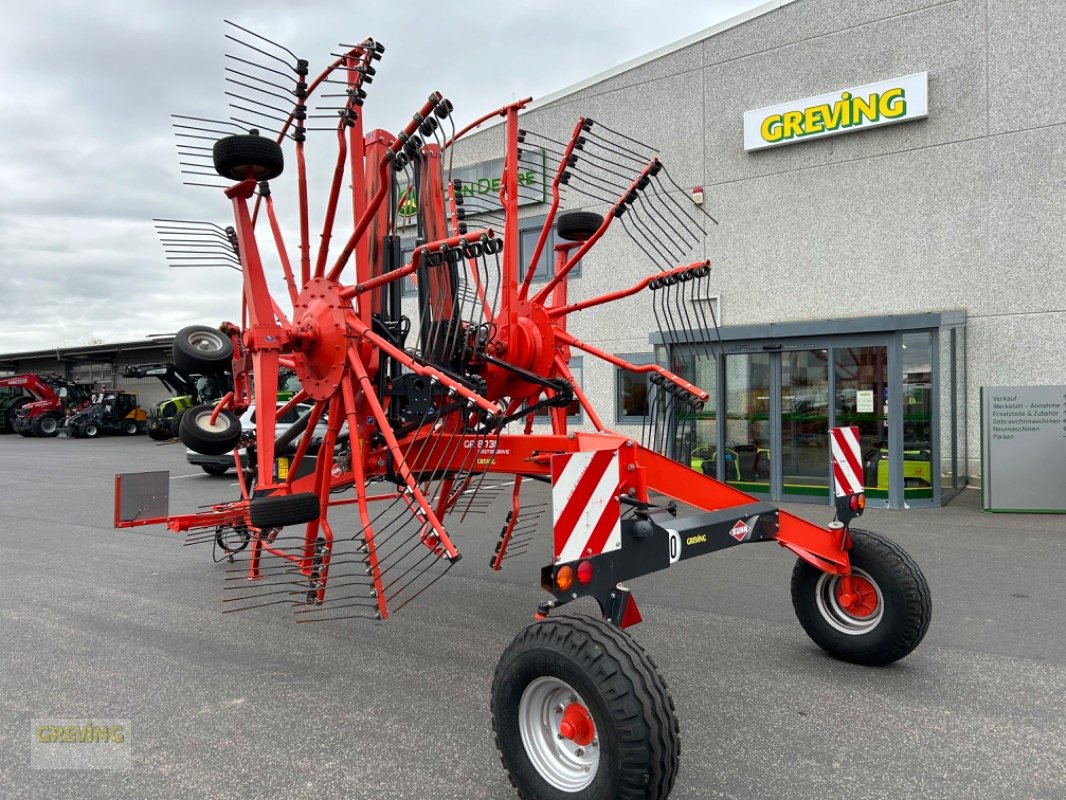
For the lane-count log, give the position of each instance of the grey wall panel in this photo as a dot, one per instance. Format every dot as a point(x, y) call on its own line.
point(1026, 63)
point(890, 235)
point(1027, 232)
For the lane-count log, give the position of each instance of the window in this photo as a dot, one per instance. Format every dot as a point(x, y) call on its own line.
point(93, 372)
point(408, 286)
point(528, 234)
point(632, 389)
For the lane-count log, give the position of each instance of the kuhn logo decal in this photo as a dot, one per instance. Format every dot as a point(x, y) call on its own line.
point(740, 531)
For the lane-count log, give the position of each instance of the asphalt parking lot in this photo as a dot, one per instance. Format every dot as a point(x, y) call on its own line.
point(99, 623)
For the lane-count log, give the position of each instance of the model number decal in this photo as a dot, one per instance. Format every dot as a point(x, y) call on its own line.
point(675, 546)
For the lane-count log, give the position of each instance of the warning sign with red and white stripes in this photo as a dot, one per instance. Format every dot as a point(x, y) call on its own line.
point(585, 509)
point(847, 462)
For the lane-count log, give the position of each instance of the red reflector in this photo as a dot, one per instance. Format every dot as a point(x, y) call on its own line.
point(857, 502)
point(584, 572)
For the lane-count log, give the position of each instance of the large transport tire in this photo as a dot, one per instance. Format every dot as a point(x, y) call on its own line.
point(248, 155)
point(46, 427)
point(577, 226)
point(581, 712)
point(876, 616)
point(201, 349)
point(214, 469)
point(277, 511)
point(200, 435)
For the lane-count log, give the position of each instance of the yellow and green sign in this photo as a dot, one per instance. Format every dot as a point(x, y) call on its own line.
point(480, 186)
point(844, 111)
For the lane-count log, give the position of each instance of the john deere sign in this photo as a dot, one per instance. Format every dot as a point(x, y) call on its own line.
point(845, 111)
point(481, 186)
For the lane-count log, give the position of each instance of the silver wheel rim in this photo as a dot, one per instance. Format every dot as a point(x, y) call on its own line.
point(131, 428)
point(90, 430)
point(203, 422)
point(563, 763)
point(206, 342)
point(48, 425)
point(842, 620)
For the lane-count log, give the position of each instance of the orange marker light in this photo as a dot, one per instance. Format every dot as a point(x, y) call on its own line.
point(564, 578)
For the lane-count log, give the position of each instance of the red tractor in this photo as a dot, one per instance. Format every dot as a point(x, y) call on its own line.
point(423, 400)
point(44, 403)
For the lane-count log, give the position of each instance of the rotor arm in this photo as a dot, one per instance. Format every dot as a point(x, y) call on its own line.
point(695, 269)
point(665, 374)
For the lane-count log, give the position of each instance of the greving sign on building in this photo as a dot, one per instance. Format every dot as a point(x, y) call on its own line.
point(1023, 448)
point(844, 111)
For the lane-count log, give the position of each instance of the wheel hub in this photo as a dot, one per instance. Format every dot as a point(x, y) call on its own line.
point(577, 725)
point(857, 596)
point(558, 734)
point(321, 327)
point(852, 604)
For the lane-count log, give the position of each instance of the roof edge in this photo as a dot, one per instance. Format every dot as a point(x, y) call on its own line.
point(665, 50)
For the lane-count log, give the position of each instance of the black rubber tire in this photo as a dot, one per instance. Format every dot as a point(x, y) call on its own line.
point(577, 226)
point(248, 155)
point(130, 428)
point(46, 427)
point(904, 593)
point(279, 510)
point(74, 431)
point(90, 430)
point(13, 412)
point(202, 349)
point(196, 434)
point(214, 469)
point(639, 739)
point(160, 434)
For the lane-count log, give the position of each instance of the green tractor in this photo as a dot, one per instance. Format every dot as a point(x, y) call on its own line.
point(189, 390)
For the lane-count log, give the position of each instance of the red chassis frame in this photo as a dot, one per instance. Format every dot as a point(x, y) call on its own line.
point(330, 339)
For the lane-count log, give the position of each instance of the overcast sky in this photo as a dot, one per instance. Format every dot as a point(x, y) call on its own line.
point(89, 156)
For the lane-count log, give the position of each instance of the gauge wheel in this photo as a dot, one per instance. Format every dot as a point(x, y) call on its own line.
point(201, 435)
point(279, 510)
point(202, 349)
point(248, 155)
point(577, 226)
point(877, 614)
point(580, 711)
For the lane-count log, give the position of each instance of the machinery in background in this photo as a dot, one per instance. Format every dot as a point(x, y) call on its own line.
point(110, 412)
point(188, 389)
point(37, 405)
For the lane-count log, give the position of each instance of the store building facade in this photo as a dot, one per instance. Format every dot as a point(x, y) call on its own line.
point(891, 229)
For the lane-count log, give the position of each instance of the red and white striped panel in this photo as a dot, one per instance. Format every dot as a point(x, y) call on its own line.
point(847, 462)
point(586, 512)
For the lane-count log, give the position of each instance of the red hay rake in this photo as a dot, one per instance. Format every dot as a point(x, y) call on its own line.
point(424, 398)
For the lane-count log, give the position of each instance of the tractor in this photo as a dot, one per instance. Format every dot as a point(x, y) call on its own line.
point(188, 389)
point(441, 391)
point(36, 405)
point(110, 412)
